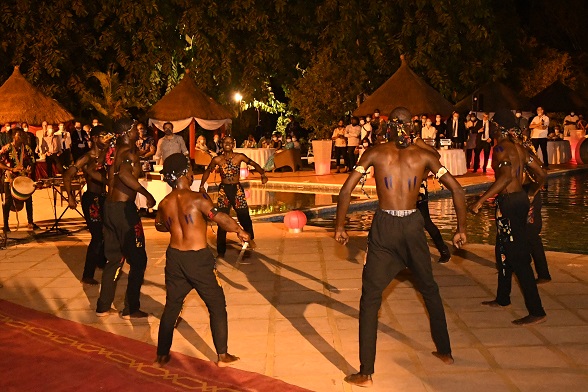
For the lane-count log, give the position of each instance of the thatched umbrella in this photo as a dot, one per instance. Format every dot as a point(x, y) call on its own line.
point(186, 100)
point(491, 97)
point(20, 101)
point(405, 89)
point(558, 97)
point(185, 105)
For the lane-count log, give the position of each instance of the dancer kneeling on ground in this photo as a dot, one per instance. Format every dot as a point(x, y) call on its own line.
point(190, 263)
point(397, 240)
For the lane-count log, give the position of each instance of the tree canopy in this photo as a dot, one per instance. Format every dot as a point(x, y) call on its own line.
point(322, 53)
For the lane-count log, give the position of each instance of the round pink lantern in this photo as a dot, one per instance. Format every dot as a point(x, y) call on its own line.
point(295, 221)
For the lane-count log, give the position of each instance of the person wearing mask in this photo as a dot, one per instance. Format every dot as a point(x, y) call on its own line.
point(570, 123)
point(340, 145)
point(456, 130)
point(556, 135)
point(5, 135)
point(51, 147)
point(169, 144)
point(80, 141)
point(484, 142)
point(352, 134)
point(473, 124)
point(40, 134)
point(440, 127)
point(375, 122)
point(539, 126)
point(65, 140)
point(95, 122)
point(366, 129)
point(429, 131)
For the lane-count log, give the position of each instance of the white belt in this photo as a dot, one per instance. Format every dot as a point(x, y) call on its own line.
point(399, 213)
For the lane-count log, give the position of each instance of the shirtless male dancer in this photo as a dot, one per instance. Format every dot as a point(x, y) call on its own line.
point(123, 231)
point(190, 263)
point(397, 241)
point(230, 191)
point(509, 161)
point(92, 165)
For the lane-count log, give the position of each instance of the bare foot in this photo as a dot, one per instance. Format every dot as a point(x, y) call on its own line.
point(360, 380)
point(446, 358)
point(161, 360)
point(226, 359)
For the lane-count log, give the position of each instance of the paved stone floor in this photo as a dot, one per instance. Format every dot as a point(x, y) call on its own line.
point(293, 313)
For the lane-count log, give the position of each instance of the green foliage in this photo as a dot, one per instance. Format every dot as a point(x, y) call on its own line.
point(549, 66)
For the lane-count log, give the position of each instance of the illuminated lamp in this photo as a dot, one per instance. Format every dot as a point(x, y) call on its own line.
point(243, 173)
point(295, 221)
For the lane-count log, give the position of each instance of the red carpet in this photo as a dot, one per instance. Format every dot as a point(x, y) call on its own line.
point(41, 352)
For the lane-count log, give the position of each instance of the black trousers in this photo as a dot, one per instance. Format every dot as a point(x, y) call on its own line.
point(534, 226)
point(93, 208)
point(51, 160)
point(469, 155)
point(233, 195)
point(184, 271)
point(514, 208)
point(8, 201)
point(541, 142)
point(432, 229)
point(351, 157)
point(394, 244)
point(483, 146)
point(341, 152)
point(123, 240)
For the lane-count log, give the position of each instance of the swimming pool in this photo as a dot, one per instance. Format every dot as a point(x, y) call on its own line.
point(565, 216)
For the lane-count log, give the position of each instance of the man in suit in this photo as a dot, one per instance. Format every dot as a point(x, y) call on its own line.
point(483, 142)
point(456, 130)
point(79, 141)
point(472, 126)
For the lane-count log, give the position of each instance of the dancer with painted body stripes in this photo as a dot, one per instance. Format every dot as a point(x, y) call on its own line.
point(397, 240)
point(189, 262)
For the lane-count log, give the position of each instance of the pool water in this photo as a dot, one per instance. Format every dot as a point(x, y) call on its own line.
point(565, 216)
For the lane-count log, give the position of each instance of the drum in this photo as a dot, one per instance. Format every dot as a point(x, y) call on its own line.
point(22, 188)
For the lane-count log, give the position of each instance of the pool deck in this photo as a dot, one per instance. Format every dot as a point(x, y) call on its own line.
point(293, 309)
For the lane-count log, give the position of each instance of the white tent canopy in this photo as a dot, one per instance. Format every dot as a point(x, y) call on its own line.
point(179, 125)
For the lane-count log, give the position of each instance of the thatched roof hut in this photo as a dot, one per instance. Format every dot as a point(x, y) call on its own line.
point(405, 89)
point(494, 96)
point(558, 97)
point(185, 102)
point(20, 101)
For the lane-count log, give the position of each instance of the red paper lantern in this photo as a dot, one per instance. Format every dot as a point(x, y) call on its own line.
point(295, 221)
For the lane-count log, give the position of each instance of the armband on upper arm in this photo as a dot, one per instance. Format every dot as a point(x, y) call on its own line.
point(212, 213)
point(441, 172)
point(360, 169)
point(530, 160)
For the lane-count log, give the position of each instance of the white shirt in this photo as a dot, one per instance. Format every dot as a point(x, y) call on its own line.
point(486, 127)
point(541, 131)
point(573, 119)
point(366, 130)
point(428, 132)
point(352, 133)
